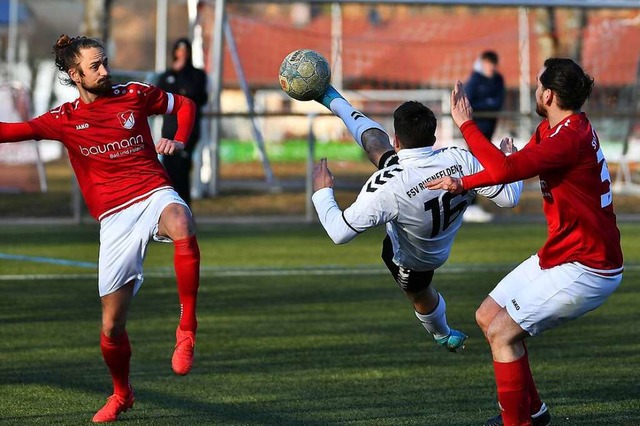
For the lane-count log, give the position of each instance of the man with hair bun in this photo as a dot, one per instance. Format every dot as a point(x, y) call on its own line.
point(107, 136)
point(580, 265)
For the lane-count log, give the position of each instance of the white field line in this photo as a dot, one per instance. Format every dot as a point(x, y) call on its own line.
point(218, 272)
point(215, 272)
point(254, 271)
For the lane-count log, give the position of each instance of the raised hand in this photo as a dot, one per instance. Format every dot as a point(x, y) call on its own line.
point(449, 184)
point(507, 146)
point(461, 110)
point(168, 146)
point(322, 176)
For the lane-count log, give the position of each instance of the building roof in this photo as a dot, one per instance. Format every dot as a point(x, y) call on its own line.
point(427, 51)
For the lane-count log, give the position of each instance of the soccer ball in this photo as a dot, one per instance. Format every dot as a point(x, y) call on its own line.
point(304, 74)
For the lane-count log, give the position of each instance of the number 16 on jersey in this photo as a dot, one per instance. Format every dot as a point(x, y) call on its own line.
point(444, 210)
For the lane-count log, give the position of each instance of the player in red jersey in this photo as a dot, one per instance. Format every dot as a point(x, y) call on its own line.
point(580, 264)
point(107, 136)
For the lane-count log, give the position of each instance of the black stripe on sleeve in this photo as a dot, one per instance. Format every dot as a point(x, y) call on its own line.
point(387, 159)
point(352, 228)
point(497, 193)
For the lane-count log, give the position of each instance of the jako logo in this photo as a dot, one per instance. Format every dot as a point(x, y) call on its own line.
point(112, 146)
point(515, 304)
point(127, 120)
point(82, 126)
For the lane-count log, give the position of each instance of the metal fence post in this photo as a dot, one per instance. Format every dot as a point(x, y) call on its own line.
point(216, 59)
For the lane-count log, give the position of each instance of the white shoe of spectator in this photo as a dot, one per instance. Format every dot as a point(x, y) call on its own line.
point(475, 213)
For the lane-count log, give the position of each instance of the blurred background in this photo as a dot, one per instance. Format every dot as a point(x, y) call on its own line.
point(257, 145)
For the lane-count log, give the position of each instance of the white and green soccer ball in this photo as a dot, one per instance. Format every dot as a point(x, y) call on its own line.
point(304, 74)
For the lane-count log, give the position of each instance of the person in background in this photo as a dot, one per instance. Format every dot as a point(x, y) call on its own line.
point(191, 82)
point(485, 89)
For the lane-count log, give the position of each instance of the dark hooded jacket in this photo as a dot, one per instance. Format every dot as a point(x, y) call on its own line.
point(486, 94)
point(190, 82)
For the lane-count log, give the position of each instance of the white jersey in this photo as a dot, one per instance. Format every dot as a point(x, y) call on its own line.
point(421, 223)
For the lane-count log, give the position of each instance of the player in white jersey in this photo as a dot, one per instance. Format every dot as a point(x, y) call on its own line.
point(421, 224)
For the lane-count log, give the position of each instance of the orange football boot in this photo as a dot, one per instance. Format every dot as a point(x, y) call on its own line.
point(182, 359)
point(115, 405)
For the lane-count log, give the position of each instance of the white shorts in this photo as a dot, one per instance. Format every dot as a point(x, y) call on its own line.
point(539, 299)
point(124, 237)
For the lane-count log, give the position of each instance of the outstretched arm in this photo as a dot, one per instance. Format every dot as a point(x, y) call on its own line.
point(330, 215)
point(376, 204)
point(549, 154)
point(17, 132)
point(503, 195)
point(185, 111)
point(531, 161)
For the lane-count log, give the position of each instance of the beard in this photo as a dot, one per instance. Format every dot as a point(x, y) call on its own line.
point(100, 88)
point(540, 110)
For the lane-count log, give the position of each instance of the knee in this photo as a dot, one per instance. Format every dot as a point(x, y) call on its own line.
point(483, 319)
point(183, 227)
point(498, 337)
point(180, 226)
point(112, 327)
point(495, 337)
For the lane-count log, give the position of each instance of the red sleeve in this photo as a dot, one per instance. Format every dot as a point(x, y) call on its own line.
point(185, 111)
point(160, 102)
point(46, 126)
point(554, 152)
point(478, 180)
point(16, 132)
point(157, 101)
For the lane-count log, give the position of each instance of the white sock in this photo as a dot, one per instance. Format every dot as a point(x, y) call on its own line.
point(435, 322)
point(356, 122)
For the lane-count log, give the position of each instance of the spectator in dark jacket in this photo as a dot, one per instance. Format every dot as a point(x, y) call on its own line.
point(184, 79)
point(485, 89)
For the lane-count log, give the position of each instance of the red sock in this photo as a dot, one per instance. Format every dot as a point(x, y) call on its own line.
point(535, 403)
point(116, 351)
point(186, 261)
point(513, 391)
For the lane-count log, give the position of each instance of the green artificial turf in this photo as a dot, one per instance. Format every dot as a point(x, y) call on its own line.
point(296, 331)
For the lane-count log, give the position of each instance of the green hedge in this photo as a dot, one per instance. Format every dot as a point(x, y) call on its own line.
point(235, 151)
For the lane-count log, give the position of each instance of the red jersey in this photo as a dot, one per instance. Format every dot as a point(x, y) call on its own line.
point(575, 184)
point(110, 145)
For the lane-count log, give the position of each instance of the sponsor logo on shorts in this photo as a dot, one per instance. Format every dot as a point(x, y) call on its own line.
point(515, 304)
point(125, 146)
point(82, 126)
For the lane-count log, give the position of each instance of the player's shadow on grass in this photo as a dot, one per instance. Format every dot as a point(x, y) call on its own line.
point(172, 408)
point(625, 417)
point(194, 411)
